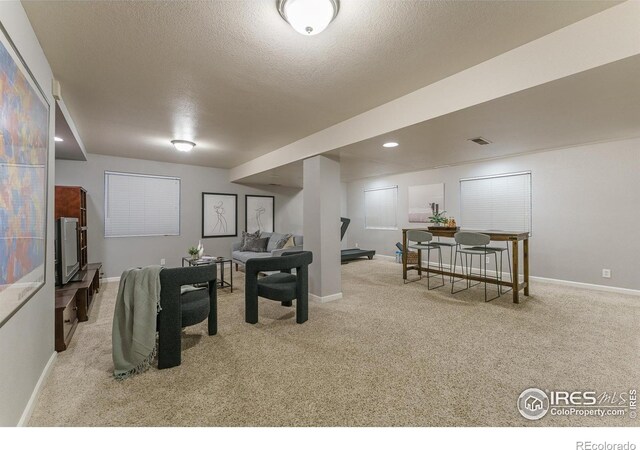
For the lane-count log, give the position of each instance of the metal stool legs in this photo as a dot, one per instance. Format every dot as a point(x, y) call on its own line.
point(468, 261)
point(439, 267)
point(455, 267)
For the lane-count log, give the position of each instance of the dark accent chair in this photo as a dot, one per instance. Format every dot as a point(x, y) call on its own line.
point(183, 310)
point(283, 287)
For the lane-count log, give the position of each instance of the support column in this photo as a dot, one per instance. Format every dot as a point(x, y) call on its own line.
point(321, 225)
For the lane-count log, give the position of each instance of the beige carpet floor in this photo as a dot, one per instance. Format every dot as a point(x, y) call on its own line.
point(387, 354)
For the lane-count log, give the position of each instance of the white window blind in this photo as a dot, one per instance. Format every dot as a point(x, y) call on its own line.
point(381, 208)
point(498, 202)
point(141, 205)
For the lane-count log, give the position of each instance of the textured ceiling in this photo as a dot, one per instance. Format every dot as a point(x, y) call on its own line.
point(240, 82)
point(596, 105)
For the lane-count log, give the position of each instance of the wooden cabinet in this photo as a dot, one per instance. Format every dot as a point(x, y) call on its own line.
point(86, 289)
point(66, 318)
point(74, 299)
point(71, 201)
point(73, 304)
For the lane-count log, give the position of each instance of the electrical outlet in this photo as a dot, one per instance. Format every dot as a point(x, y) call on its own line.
point(606, 273)
point(356, 244)
point(162, 262)
point(487, 260)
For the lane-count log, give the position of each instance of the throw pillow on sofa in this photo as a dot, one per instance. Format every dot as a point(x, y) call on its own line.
point(243, 240)
point(273, 241)
point(254, 244)
point(283, 241)
point(290, 243)
point(260, 245)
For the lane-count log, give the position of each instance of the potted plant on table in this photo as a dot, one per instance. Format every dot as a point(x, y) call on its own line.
point(193, 252)
point(438, 218)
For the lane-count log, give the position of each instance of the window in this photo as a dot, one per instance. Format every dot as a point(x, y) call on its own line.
point(380, 208)
point(141, 205)
point(497, 202)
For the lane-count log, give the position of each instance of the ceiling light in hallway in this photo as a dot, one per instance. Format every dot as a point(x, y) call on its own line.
point(57, 139)
point(390, 144)
point(308, 17)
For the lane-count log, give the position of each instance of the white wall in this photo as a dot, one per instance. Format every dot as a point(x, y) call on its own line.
point(288, 208)
point(118, 254)
point(585, 209)
point(26, 340)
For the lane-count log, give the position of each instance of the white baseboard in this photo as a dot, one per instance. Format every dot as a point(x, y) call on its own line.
point(28, 410)
point(593, 287)
point(109, 280)
point(326, 298)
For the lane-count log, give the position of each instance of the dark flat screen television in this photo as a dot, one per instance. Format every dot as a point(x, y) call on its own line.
point(67, 249)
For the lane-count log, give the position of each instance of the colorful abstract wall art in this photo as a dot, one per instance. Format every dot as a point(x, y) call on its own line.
point(24, 143)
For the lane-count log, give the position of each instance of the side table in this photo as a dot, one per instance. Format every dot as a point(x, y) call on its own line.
point(222, 283)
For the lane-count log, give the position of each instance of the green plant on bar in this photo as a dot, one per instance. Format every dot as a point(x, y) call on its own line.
point(439, 217)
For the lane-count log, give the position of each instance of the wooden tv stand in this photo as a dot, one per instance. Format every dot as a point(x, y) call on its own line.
point(73, 304)
point(66, 318)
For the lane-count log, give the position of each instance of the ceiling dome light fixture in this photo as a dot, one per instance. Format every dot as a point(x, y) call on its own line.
point(308, 17)
point(390, 144)
point(57, 139)
point(183, 146)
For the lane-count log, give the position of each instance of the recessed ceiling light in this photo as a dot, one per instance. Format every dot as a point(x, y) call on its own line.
point(183, 146)
point(308, 17)
point(390, 144)
point(57, 139)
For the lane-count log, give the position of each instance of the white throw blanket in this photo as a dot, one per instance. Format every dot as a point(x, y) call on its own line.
point(134, 321)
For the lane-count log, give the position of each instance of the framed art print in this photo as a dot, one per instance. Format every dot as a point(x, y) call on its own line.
point(422, 200)
point(259, 213)
point(24, 151)
point(219, 215)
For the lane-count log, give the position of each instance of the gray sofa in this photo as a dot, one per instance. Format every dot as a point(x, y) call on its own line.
point(240, 258)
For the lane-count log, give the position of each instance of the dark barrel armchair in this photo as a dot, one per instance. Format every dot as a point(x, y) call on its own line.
point(183, 310)
point(283, 287)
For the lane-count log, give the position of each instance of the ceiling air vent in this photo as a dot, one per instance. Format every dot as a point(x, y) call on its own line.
point(480, 141)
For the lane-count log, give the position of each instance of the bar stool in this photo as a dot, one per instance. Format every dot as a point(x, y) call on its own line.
point(451, 246)
point(476, 244)
point(499, 250)
point(422, 241)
